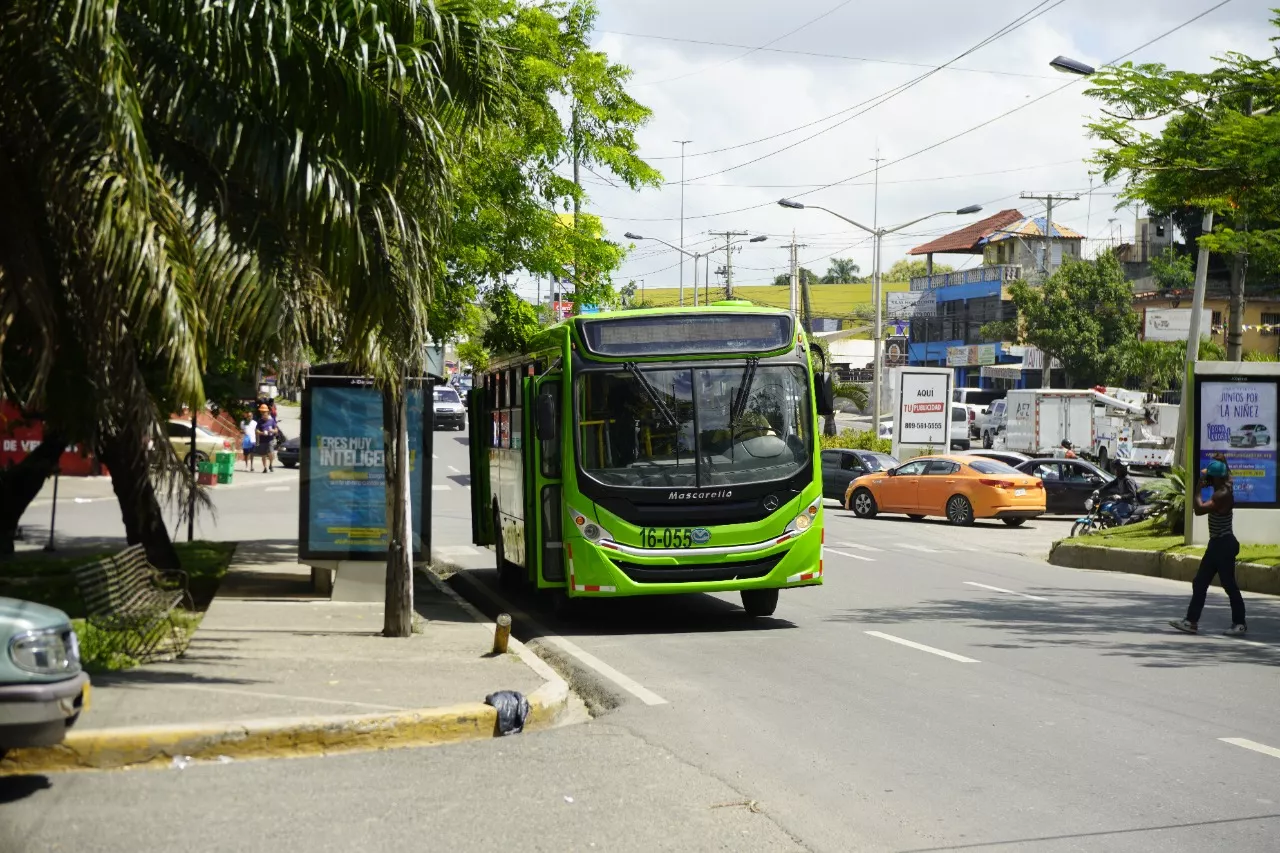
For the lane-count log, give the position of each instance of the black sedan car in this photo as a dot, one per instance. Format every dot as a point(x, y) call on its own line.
point(1067, 482)
point(289, 454)
point(841, 467)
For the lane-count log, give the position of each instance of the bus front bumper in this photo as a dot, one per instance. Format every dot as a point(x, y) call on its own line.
point(603, 570)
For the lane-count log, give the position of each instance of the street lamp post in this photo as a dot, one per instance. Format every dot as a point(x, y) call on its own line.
point(878, 234)
point(684, 253)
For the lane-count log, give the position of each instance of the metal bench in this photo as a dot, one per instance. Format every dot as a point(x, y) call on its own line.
point(132, 604)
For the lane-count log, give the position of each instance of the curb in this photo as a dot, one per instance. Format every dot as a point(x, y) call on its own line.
point(1252, 577)
point(288, 737)
point(297, 737)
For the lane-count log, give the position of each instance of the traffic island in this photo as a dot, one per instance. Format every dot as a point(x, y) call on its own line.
point(276, 671)
point(1144, 550)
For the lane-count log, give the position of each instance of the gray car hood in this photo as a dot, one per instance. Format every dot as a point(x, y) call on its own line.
point(17, 615)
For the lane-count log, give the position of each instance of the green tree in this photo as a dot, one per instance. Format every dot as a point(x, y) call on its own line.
point(514, 321)
point(905, 270)
point(473, 356)
point(1215, 145)
point(1173, 271)
point(841, 271)
point(1083, 316)
point(178, 173)
point(806, 275)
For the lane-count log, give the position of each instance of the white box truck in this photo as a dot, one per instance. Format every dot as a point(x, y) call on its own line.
point(1128, 429)
point(1037, 420)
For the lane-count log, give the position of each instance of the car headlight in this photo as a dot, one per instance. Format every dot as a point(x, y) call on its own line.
point(52, 651)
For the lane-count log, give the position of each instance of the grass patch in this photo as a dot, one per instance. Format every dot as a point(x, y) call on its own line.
point(97, 648)
point(47, 579)
point(1149, 536)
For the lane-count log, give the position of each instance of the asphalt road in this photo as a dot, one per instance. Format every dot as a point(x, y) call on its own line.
point(941, 691)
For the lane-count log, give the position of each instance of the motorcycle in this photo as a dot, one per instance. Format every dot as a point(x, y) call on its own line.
point(1103, 514)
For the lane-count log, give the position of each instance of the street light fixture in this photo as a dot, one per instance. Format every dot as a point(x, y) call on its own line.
point(1067, 65)
point(878, 234)
point(631, 235)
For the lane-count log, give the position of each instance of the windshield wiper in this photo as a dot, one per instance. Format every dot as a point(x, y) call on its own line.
point(652, 394)
point(739, 407)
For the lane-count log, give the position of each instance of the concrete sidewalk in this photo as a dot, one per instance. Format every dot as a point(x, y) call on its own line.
point(270, 654)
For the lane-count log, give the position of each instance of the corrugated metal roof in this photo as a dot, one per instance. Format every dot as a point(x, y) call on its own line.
point(969, 240)
point(1033, 227)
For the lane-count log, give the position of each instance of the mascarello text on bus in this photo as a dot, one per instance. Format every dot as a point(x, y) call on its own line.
point(652, 452)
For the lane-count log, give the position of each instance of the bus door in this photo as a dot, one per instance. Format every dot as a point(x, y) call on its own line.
point(545, 499)
point(479, 434)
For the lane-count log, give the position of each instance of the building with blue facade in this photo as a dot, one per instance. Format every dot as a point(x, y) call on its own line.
point(950, 310)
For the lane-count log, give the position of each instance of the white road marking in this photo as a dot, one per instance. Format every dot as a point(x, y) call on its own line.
point(84, 500)
point(1253, 745)
point(454, 470)
point(852, 556)
point(921, 647)
point(923, 548)
point(277, 488)
point(1002, 589)
point(439, 488)
point(627, 683)
point(433, 456)
point(1241, 641)
point(858, 546)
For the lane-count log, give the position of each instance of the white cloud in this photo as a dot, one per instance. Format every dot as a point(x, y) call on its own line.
point(720, 104)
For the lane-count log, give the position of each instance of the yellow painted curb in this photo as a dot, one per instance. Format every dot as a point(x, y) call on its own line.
point(106, 749)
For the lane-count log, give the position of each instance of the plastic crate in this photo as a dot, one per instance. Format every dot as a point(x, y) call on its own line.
point(207, 468)
point(224, 478)
point(225, 460)
point(207, 479)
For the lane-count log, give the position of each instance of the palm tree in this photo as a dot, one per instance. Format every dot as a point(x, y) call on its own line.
point(841, 271)
point(260, 176)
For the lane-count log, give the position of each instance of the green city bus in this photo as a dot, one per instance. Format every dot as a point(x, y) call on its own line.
point(650, 452)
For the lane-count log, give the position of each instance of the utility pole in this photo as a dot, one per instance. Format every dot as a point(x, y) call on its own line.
point(795, 286)
point(877, 366)
point(577, 196)
point(683, 143)
point(728, 259)
point(1048, 199)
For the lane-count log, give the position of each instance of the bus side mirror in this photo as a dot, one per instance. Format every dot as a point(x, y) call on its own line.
point(826, 390)
point(546, 417)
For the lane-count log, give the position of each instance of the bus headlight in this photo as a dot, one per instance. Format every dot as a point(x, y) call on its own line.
point(801, 523)
point(804, 520)
point(590, 531)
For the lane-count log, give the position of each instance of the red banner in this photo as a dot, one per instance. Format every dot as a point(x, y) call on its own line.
point(19, 436)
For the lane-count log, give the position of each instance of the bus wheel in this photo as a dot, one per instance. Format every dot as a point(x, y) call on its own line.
point(562, 606)
point(760, 602)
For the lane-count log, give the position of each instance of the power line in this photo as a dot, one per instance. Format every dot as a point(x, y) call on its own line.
point(951, 138)
point(817, 54)
point(883, 98)
point(750, 51)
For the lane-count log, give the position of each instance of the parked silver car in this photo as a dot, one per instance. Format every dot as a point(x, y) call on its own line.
point(42, 688)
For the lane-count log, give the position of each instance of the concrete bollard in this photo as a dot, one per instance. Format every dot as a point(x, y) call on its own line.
point(501, 633)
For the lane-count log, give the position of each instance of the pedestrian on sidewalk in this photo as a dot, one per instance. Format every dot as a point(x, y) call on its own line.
point(248, 441)
point(265, 437)
point(1220, 556)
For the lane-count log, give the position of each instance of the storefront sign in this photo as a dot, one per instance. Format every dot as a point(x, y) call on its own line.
point(913, 304)
point(343, 479)
point(971, 356)
point(1238, 424)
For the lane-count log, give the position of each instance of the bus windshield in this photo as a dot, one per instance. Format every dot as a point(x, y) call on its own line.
point(694, 427)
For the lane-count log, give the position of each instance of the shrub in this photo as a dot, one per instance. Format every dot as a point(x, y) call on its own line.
point(864, 440)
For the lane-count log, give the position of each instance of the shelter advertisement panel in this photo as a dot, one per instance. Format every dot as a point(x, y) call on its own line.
point(1237, 422)
point(343, 479)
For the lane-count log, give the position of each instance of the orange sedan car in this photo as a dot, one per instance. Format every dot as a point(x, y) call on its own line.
point(958, 488)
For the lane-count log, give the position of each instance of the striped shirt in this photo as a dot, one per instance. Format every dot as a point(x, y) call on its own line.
point(1220, 523)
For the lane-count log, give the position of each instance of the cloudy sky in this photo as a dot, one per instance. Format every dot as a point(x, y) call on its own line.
point(782, 98)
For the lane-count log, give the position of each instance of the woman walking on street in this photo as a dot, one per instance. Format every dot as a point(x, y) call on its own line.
point(248, 441)
point(266, 438)
point(1220, 555)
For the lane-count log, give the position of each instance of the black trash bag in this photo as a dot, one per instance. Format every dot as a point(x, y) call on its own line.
point(512, 708)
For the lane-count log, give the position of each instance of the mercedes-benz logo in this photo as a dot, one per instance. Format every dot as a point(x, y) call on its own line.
point(771, 503)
